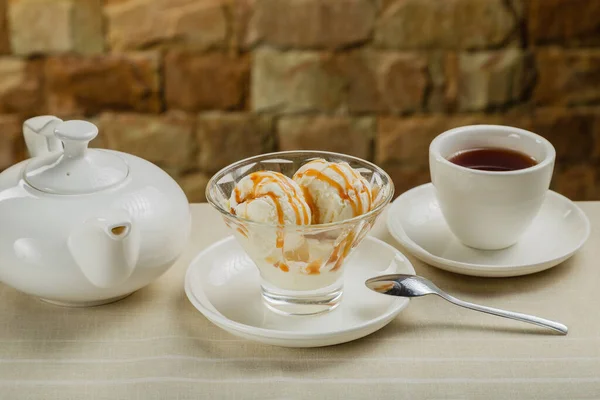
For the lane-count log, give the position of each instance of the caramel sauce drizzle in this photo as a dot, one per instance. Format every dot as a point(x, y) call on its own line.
point(356, 206)
point(335, 254)
point(314, 268)
point(375, 192)
point(319, 175)
point(305, 211)
point(282, 266)
point(311, 204)
point(370, 197)
point(259, 180)
point(338, 258)
point(341, 251)
point(288, 190)
point(280, 240)
point(365, 188)
point(278, 206)
point(343, 191)
point(296, 212)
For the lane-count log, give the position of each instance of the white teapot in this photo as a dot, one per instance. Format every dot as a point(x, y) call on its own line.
point(83, 227)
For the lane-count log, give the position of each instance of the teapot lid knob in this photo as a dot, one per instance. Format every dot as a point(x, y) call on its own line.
point(75, 136)
point(81, 131)
point(76, 170)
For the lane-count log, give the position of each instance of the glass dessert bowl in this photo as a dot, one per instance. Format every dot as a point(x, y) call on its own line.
point(299, 215)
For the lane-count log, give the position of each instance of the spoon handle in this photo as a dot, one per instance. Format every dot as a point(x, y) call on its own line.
point(557, 326)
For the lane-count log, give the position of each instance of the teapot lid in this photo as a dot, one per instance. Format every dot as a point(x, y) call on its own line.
point(77, 169)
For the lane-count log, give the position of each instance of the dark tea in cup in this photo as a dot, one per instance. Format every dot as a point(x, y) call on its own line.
point(492, 159)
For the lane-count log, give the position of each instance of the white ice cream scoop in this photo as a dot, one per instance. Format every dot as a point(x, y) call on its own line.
point(334, 191)
point(270, 197)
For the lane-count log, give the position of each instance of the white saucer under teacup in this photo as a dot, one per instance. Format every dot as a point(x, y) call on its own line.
point(223, 284)
point(560, 228)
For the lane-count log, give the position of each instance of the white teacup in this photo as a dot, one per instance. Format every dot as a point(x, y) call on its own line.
point(487, 209)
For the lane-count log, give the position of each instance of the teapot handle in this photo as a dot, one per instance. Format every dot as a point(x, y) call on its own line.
point(38, 133)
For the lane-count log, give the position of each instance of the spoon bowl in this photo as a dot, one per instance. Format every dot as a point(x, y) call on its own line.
point(402, 285)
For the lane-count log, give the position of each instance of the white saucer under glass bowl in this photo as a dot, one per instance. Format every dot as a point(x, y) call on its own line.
point(559, 230)
point(223, 283)
point(301, 266)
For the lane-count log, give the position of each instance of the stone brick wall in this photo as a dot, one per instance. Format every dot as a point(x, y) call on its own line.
point(193, 85)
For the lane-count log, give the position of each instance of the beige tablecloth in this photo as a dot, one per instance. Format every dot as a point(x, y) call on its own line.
point(155, 345)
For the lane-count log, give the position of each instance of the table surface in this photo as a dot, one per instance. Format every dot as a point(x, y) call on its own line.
point(156, 345)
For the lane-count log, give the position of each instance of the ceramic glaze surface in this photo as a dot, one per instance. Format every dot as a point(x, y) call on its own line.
point(560, 229)
point(224, 268)
point(490, 210)
point(91, 248)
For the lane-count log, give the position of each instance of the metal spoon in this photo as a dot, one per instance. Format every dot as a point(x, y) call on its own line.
point(415, 286)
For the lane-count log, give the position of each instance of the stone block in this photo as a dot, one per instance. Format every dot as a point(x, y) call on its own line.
point(138, 24)
point(571, 131)
point(211, 81)
point(444, 77)
point(55, 26)
point(392, 82)
point(358, 81)
point(295, 81)
point(576, 181)
point(166, 140)
point(224, 138)
point(87, 85)
point(241, 13)
point(4, 35)
point(21, 86)
point(445, 24)
point(567, 77)
point(347, 135)
point(492, 78)
point(311, 23)
point(570, 22)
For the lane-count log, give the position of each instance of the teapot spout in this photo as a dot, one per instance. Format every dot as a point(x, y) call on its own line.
point(106, 248)
point(39, 135)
